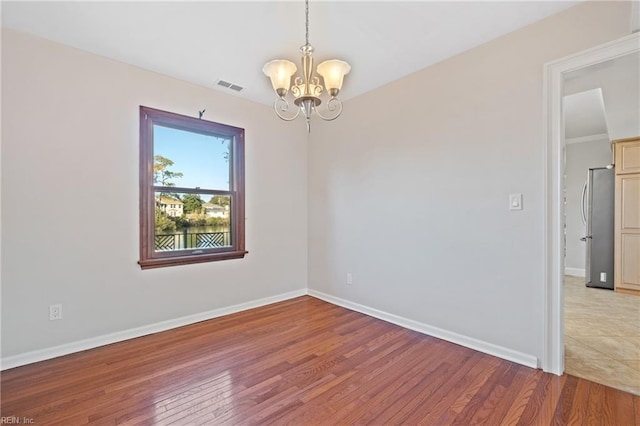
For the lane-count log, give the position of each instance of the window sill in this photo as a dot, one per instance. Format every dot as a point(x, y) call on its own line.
point(187, 260)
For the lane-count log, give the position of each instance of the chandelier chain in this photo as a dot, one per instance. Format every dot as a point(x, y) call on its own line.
point(307, 21)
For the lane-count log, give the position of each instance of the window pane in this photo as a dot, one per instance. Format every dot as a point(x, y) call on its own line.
point(190, 160)
point(191, 221)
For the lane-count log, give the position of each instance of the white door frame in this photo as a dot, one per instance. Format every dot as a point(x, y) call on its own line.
point(553, 356)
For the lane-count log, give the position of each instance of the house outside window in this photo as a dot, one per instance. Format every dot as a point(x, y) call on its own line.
point(191, 190)
point(171, 207)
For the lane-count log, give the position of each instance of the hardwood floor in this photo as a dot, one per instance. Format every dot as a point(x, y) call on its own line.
point(301, 362)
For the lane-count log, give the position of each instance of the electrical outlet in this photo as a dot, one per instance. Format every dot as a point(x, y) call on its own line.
point(55, 312)
point(349, 278)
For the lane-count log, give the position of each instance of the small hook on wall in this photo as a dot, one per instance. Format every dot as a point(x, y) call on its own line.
point(201, 113)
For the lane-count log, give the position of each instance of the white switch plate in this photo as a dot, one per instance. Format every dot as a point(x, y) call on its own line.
point(515, 201)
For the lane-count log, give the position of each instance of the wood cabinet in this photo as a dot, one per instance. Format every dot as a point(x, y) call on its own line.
point(627, 215)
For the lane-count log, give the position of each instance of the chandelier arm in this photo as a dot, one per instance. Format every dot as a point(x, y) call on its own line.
point(334, 106)
point(282, 106)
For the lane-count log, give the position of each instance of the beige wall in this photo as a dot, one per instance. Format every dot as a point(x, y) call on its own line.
point(70, 154)
point(408, 190)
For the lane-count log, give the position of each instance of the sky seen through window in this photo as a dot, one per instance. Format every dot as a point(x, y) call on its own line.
point(202, 159)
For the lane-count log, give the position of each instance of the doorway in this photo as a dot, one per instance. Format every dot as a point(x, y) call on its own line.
point(554, 73)
point(602, 328)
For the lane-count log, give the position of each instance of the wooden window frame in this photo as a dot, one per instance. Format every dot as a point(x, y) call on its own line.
point(149, 257)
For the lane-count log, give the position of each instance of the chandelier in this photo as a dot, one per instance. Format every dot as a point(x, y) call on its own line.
point(307, 89)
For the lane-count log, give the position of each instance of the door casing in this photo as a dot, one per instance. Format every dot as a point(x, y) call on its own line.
point(553, 355)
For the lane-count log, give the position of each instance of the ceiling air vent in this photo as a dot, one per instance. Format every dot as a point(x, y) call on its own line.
point(230, 85)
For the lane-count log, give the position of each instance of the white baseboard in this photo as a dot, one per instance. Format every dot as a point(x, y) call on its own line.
point(575, 272)
point(94, 342)
point(469, 342)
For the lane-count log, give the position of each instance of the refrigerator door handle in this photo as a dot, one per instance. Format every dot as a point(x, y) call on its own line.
point(583, 207)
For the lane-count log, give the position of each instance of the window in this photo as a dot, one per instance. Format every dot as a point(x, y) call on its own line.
point(191, 190)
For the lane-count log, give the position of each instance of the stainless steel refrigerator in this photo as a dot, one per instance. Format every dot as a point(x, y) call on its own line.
point(597, 214)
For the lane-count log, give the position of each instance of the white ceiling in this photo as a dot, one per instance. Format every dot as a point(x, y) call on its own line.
point(584, 114)
point(202, 42)
point(617, 83)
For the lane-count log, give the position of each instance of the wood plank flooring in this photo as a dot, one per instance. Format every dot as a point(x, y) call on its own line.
point(301, 362)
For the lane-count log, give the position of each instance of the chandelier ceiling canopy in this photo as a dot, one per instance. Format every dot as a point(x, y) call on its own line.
point(306, 90)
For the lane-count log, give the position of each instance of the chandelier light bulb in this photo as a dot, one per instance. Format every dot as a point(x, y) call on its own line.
point(280, 72)
point(333, 73)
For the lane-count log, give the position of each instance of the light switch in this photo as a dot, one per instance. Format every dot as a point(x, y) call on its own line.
point(515, 201)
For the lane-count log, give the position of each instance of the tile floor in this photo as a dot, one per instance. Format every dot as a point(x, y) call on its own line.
point(602, 335)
